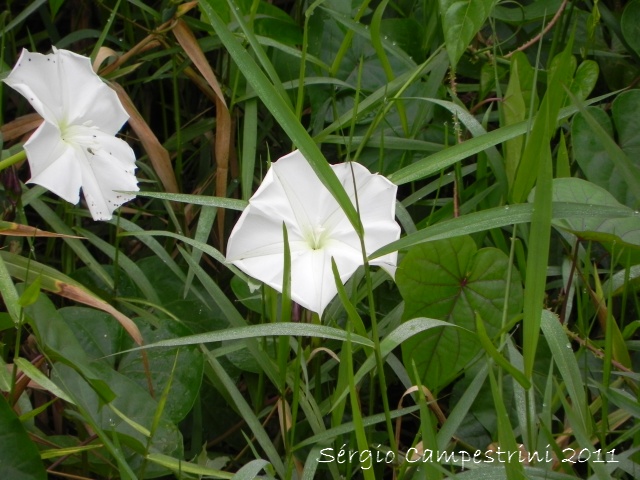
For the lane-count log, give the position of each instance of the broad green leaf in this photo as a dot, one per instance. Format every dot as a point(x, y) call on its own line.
point(612, 166)
point(187, 373)
point(132, 401)
point(461, 20)
point(196, 310)
point(30, 294)
point(623, 232)
point(450, 280)
point(594, 157)
point(19, 456)
point(630, 25)
point(102, 337)
point(59, 343)
point(526, 12)
point(585, 79)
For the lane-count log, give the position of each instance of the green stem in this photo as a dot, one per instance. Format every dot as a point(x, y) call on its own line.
point(13, 159)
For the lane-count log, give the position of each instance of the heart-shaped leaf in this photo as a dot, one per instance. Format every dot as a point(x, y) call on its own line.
point(450, 280)
point(595, 159)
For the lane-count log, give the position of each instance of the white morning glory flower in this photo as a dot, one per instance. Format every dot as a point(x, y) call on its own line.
point(317, 228)
point(76, 145)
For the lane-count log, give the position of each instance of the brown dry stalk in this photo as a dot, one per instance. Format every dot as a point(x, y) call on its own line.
point(538, 37)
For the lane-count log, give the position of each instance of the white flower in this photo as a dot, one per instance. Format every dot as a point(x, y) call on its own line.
point(317, 228)
point(76, 145)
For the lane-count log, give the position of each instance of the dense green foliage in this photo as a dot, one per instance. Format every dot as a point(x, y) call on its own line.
point(508, 345)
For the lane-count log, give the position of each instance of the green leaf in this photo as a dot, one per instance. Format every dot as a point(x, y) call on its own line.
point(133, 402)
point(450, 280)
point(537, 258)
point(55, 5)
point(36, 375)
point(435, 163)
point(496, 218)
point(585, 79)
point(567, 364)
point(461, 20)
point(506, 435)
point(58, 341)
point(8, 292)
point(30, 294)
point(182, 467)
point(624, 232)
point(19, 456)
point(203, 200)
point(196, 310)
point(497, 357)
point(630, 25)
point(251, 470)
point(102, 337)
point(398, 336)
point(253, 331)
point(515, 108)
point(615, 167)
point(544, 123)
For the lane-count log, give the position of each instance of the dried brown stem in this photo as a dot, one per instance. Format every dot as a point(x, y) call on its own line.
point(538, 37)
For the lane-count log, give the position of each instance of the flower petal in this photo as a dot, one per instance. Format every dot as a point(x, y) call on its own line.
point(255, 235)
point(318, 229)
point(53, 163)
point(63, 88)
point(294, 192)
point(105, 170)
point(377, 205)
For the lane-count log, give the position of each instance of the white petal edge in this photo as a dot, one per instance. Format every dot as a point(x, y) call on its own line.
point(53, 163)
point(106, 171)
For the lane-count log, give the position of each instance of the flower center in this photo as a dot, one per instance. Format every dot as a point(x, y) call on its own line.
point(83, 136)
point(316, 236)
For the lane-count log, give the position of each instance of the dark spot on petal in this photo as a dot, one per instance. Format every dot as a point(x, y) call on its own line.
point(29, 59)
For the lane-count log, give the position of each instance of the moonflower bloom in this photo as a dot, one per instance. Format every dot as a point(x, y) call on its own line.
point(75, 147)
point(317, 229)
